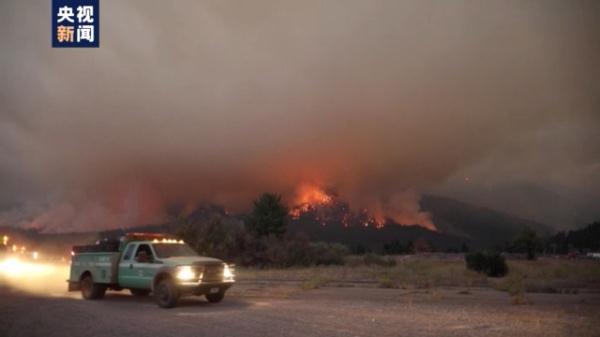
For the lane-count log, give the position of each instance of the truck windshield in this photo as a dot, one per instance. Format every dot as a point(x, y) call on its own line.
point(165, 250)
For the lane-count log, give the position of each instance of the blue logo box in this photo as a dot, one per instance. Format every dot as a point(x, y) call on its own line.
point(75, 24)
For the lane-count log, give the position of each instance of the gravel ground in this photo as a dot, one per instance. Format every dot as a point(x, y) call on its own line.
point(254, 310)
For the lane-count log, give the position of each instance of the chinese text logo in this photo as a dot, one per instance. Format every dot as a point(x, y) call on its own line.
point(75, 23)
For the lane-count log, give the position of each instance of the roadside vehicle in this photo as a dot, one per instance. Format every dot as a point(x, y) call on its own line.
point(148, 263)
point(593, 256)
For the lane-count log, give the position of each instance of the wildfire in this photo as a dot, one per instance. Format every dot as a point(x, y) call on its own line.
point(375, 219)
point(309, 196)
point(326, 208)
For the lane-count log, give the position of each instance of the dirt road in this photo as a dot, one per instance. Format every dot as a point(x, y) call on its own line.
point(287, 311)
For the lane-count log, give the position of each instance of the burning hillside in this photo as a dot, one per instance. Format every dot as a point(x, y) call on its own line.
point(326, 207)
point(123, 204)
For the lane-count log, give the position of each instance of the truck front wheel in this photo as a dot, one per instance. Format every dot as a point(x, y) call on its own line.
point(166, 293)
point(91, 290)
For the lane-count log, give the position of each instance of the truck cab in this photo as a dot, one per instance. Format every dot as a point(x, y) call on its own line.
point(148, 263)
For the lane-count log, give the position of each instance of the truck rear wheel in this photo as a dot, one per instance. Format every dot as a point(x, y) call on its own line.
point(166, 293)
point(215, 297)
point(91, 290)
point(139, 292)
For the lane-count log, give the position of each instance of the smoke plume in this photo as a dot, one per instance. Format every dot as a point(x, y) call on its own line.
point(217, 101)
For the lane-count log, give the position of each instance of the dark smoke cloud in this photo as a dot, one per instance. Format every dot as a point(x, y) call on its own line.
point(216, 101)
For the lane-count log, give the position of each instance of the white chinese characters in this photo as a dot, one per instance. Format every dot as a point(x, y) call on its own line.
point(85, 14)
point(85, 32)
point(65, 13)
point(73, 27)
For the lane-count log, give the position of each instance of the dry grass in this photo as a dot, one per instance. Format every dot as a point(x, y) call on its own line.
point(550, 276)
point(544, 275)
point(315, 282)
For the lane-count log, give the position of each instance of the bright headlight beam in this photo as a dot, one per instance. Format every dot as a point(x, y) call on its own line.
point(227, 273)
point(14, 268)
point(185, 273)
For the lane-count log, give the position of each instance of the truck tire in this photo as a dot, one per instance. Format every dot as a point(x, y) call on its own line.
point(216, 297)
point(166, 293)
point(139, 292)
point(91, 290)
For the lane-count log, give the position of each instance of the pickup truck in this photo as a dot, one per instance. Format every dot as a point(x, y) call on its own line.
point(148, 263)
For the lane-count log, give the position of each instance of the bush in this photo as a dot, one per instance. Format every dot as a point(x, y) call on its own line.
point(516, 286)
point(314, 282)
point(475, 261)
point(386, 280)
point(378, 260)
point(496, 265)
point(396, 247)
point(489, 263)
point(291, 251)
point(327, 253)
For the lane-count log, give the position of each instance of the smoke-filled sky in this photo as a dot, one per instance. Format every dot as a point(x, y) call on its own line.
point(494, 102)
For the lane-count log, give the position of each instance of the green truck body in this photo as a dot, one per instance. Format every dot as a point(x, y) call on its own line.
point(148, 263)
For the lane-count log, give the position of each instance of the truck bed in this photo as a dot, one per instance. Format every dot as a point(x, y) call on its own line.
point(102, 265)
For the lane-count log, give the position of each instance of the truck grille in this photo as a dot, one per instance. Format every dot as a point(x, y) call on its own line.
point(213, 273)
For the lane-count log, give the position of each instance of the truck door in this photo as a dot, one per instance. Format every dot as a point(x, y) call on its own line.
point(139, 269)
point(126, 270)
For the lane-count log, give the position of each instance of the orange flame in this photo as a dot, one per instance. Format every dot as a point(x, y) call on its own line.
point(311, 194)
point(307, 197)
point(402, 209)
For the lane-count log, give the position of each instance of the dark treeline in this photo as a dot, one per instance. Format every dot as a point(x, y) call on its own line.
point(261, 239)
point(580, 240)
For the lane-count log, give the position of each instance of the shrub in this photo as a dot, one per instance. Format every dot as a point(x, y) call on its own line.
point(395, 247)
point(489, 263)
point(475, 261)
point(378, 260)
point(496, 265)
point(386, 280)
point(516, 288)
point(327, 253)
point(291, 251)
point(314, 282)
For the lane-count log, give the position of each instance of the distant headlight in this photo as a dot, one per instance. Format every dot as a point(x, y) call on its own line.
point(185, 273)
point(227, 273)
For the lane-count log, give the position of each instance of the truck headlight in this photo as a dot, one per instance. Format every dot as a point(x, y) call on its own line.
point(185, 273)
point(227, 273)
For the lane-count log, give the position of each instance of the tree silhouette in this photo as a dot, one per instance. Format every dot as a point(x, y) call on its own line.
point(269, 216)
point(528, 242)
